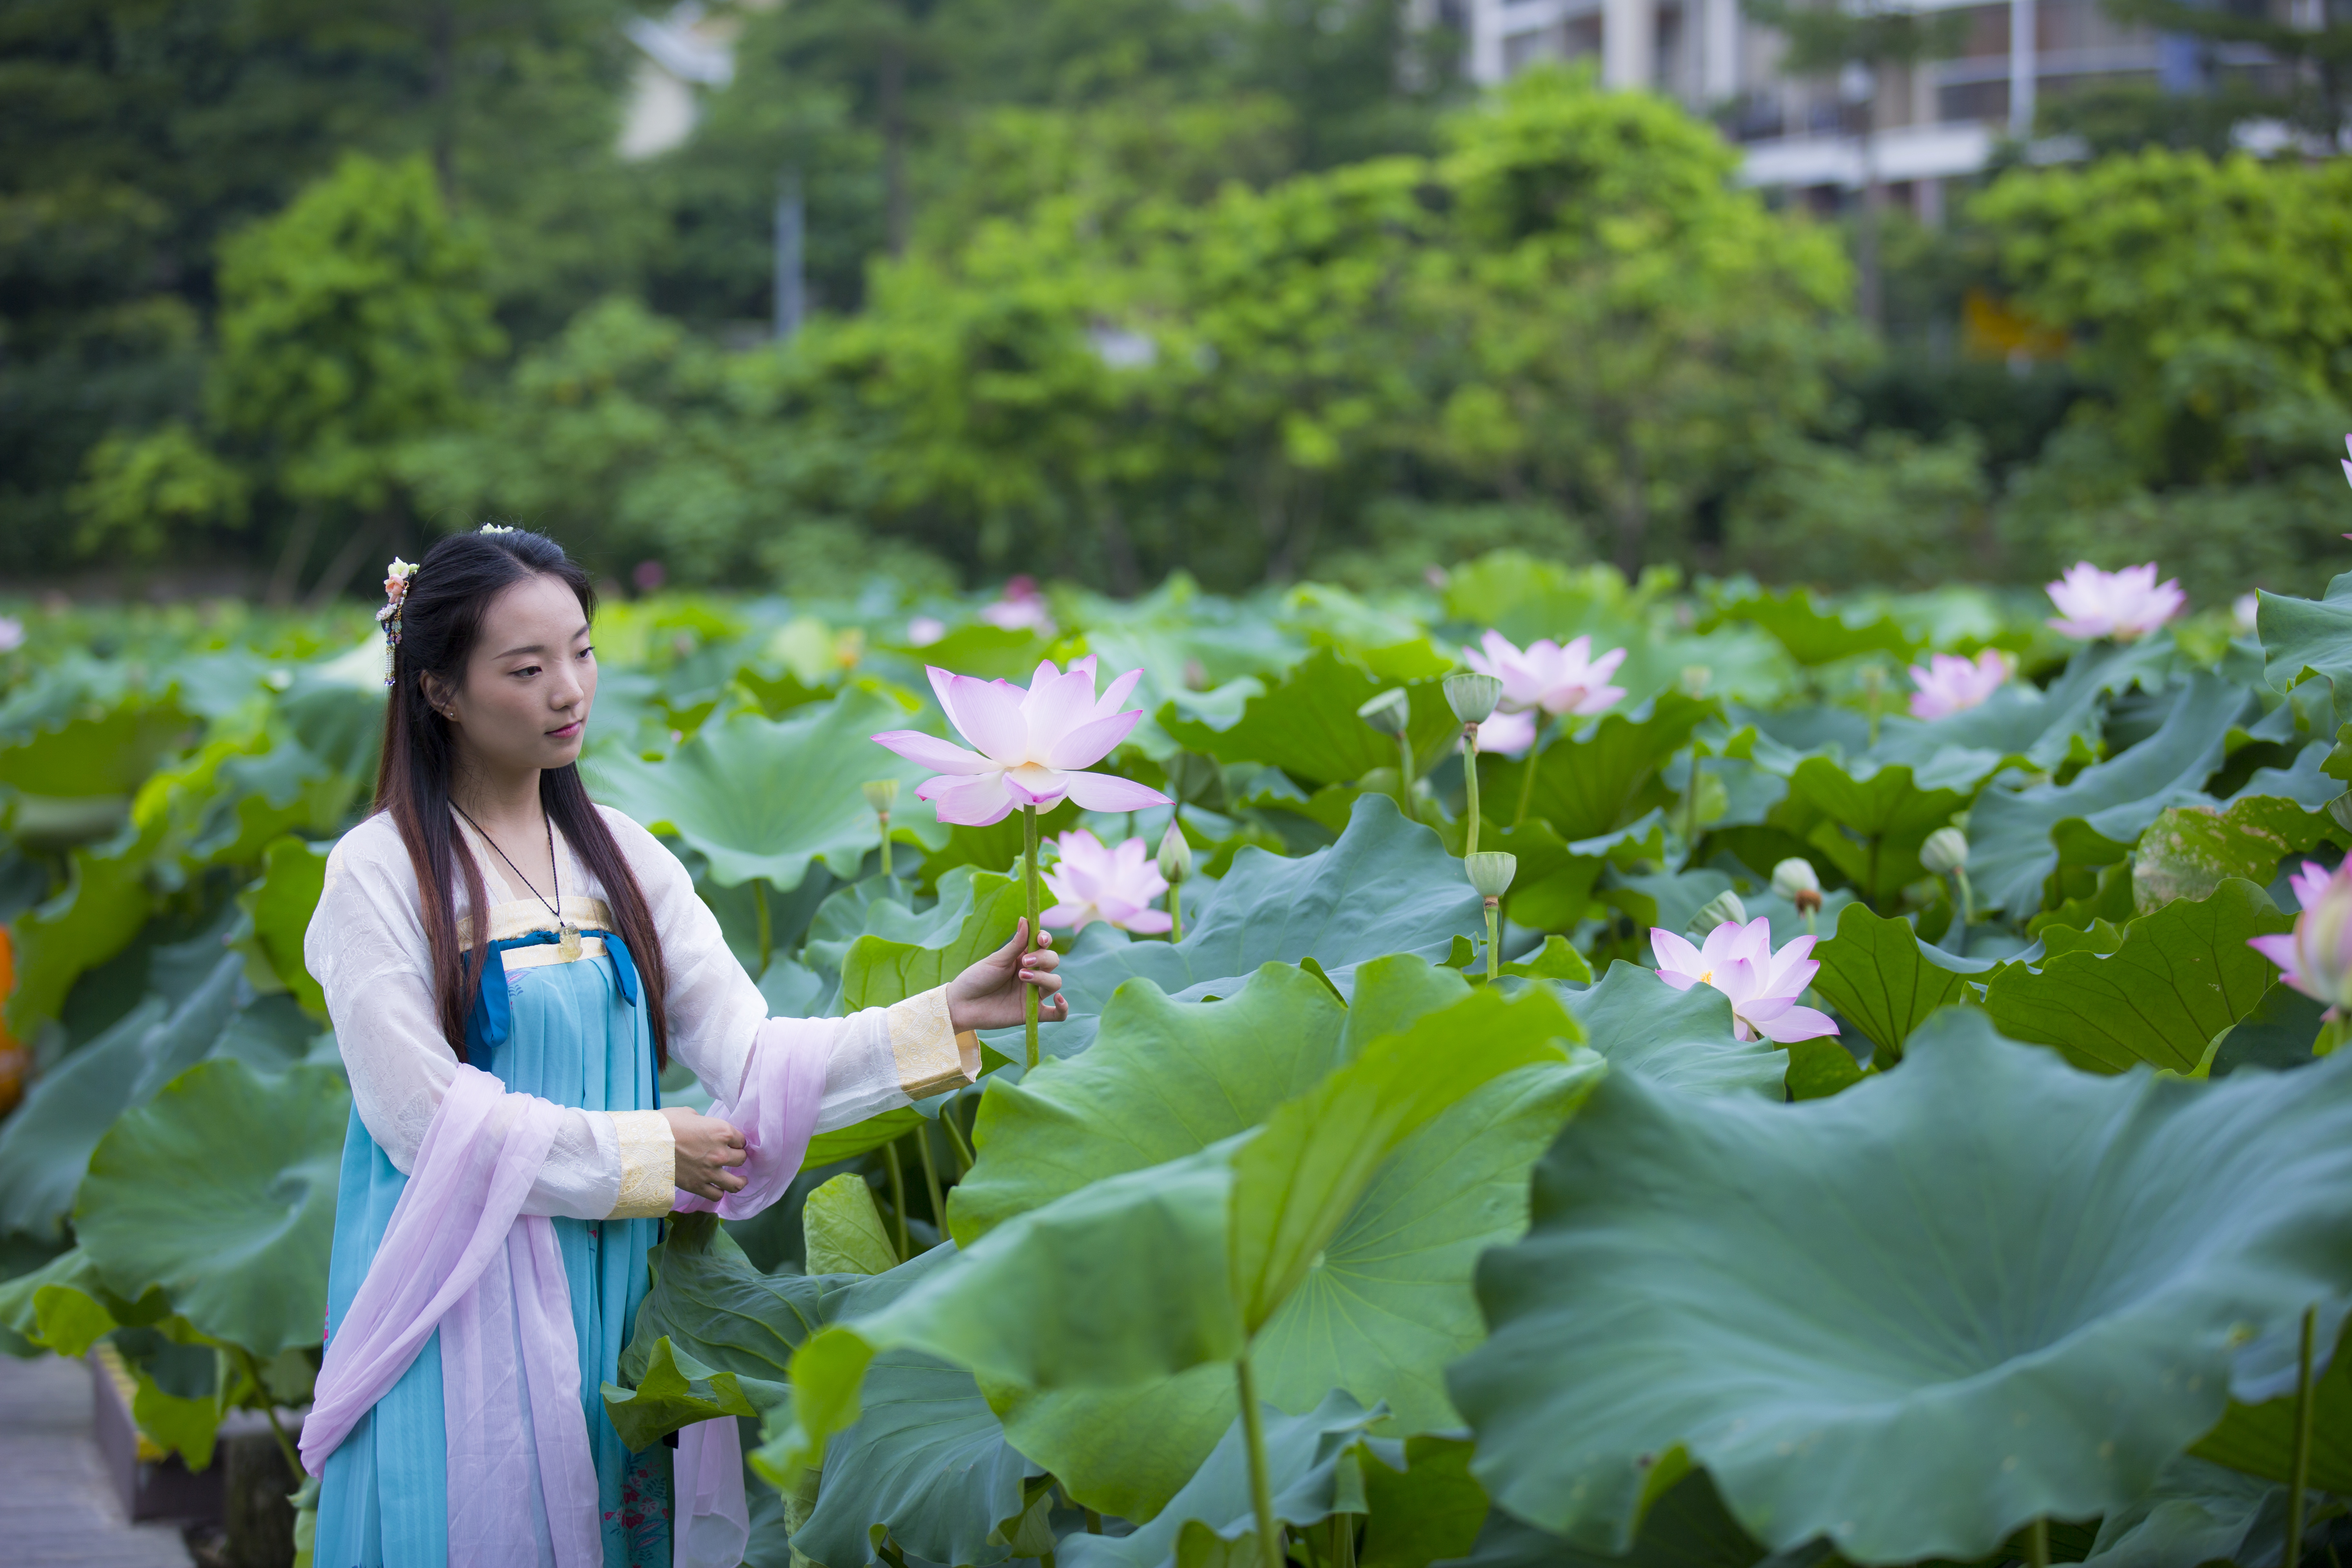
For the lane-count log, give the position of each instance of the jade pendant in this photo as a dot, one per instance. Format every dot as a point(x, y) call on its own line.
point(568, 941)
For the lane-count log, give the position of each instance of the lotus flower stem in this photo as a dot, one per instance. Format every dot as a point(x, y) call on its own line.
point(1094, 1522)
point(1494, 939)
point(1690, 813)
point(2037, 1544)
point(1343, 1541)
point(294, 1461)
point(2301, 1472)
point(1175, 912)
point(964, 1161)
point(1404, 772)
point(898, 1198)
point(931, 1178)
point(885, 818)
point(766, 930)
point(1527, 779)
point(1269, 1541)
point(1029, 891)
point(1470, 784)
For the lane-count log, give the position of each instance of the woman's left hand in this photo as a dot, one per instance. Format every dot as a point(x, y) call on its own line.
point(988, 994)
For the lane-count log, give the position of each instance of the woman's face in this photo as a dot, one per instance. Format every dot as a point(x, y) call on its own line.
point(529, 682)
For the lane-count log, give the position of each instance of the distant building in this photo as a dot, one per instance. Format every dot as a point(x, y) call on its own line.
point(1932, 124)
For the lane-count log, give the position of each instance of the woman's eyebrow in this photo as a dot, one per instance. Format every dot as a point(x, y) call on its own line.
point(542, 648)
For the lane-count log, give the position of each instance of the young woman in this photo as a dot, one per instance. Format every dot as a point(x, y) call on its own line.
point(508, 967)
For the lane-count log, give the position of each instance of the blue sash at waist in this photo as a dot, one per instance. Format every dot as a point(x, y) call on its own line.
point(492, 1019)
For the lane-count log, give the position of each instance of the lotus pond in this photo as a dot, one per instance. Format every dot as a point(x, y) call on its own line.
point(1374, 1207)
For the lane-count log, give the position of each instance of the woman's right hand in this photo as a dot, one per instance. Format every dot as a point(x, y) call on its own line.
point(706, 1147)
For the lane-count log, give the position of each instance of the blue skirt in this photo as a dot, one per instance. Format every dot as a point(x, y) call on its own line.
point(575, 1039)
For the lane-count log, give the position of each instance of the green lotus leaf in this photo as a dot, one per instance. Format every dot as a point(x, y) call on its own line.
point(715, 1307)
point(675, 1391)
point(2181, 976)
point(863, 1137)
point(2196, 1513)
point(1553, 886)
point(1686, 1526)
point(1684, 1040)
point(844, 1231)
point(977, 913)
point(2278, 1034)
point(293, 875)
point(1594, 783)
point(177, 1398)
point(222, 1190)
point(2189, 851)
point(64, 1306)
point(2306, 637)
point(1306, 723)
point(1428, 1511)
point(2259, 1440)
point(2038, 729)
point(46, 1148)
point(104, 904)
point(1814, 634)
point(52, 744)
point(1883, 980)
point(2009, 848)
point(1386, 887)
point(1865, 819)
point(1553, 961)
point(761, 798)
point(1874, 1319)
point(1313, 1466)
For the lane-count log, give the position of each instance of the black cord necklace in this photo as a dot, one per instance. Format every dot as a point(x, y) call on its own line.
point(567, 934)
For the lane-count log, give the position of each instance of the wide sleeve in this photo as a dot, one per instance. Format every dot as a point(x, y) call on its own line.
point(366, 947)
point(876, 1061)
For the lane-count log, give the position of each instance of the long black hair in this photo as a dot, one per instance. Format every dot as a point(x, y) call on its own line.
point(439, 620)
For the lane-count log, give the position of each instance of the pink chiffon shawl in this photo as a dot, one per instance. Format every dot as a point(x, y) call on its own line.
point(460, 1256)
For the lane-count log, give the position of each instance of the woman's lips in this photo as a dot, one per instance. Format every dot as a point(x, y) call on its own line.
point(568, 731)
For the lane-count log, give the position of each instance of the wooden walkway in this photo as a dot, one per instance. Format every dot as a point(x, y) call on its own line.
point(55, 1506)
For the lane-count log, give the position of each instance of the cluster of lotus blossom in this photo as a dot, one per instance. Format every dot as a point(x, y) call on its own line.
point(1544, 677)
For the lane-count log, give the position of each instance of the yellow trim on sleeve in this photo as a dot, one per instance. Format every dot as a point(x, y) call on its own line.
point(930, 1055)
point(648, 1164)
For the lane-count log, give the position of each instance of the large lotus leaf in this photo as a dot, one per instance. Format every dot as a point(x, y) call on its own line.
point(1813, 635)
point(675, 1391)
point(1388, 885)
point(293, 875)
point(222, 1190)
point(1590, 785)
point(1876, 1317)
point(2304, 636)
point(1883, 979)
point(2196, 1513)
point(2009, 848)
point(1429, 1510)
point(879, 969)
point(767, 798)
point(1682, 1039)
point(64, 1306)
point(1867, 820)
point(843, 1230)
point(104, 903)
point(46, 1147)
point(2181, 976)
point(84, 754)
point(1551, 889)
point(1313, 1469)
point(2190, 849)
point(2018, 723)
point(715, 1307)
point(1147, 1273)
point(2279, 1033)
point(1306, 723)
point(1687, 1527)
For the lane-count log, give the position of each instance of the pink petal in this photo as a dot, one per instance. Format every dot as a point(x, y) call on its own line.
point(1065, 914)
point(1031, 785)
point(988, 713)
point(1149, 923)
point(1797, 1024)
point(1678, 980)
point(2278, 949)
point(940, 756)
point(1109, 792)
point(1115, 693)
point(975, 801)
point(1054, 707)
point(1090, 743)
point(1675, 953)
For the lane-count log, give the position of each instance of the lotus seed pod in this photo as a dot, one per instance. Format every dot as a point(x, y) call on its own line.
point(1472, 697)
point(1389, 713)
point(1491, 872)
point(1175, 855)
point(1724, 908)
point(1794, 878)
point(1945, 851)
point(881, 795)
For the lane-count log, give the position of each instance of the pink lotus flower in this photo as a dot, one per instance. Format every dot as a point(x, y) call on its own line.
point(12, 633)
point(2315, 958)
point(1021, 607)
point(1032, 745)
point(1547, 676)
point(1738, 961)
point(1097, 884)
point(2120, 604)
point(1506, 734)
point(925, 630)
point(1951, 683)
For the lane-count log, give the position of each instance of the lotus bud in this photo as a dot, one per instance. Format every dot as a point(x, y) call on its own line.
point(1389, 713)
point(1724, 908)
point(1175, 855)
point(881, 795)
point(1472, 697)
point(1491, 872)
point(1945, 851)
